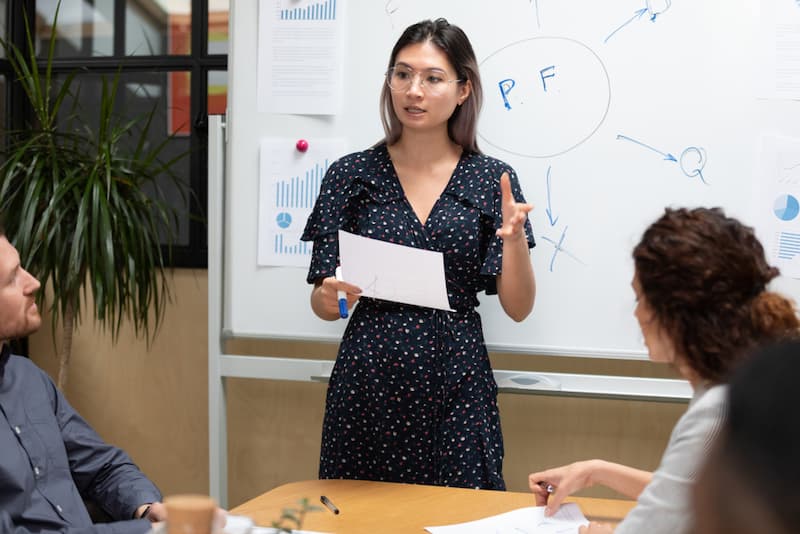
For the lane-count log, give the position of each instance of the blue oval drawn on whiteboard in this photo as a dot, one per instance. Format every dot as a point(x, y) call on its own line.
point(543, 96)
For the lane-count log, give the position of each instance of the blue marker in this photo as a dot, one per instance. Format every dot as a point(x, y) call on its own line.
point(341, 295)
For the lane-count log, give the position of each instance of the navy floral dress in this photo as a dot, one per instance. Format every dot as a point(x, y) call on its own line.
point(412, 397)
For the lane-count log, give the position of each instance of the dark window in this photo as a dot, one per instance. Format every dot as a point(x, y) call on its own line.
point(172, 54)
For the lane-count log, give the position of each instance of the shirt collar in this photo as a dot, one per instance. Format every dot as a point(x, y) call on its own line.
point(5, 354)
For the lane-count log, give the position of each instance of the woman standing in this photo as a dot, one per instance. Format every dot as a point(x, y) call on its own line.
point(702, 304)
point(412, 397)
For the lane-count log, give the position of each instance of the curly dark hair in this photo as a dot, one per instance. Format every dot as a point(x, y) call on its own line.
point(704, 276)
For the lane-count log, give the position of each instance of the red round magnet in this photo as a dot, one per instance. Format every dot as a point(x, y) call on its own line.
point(302, 145)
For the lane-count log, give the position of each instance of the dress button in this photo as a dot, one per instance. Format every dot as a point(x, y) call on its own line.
point(58, 507)
point(17, 430)
point(36, 471)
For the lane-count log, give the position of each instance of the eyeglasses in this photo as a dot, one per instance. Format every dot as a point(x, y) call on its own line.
point(432, 81)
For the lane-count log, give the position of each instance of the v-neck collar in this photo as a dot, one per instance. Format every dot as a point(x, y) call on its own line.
point(401, 192)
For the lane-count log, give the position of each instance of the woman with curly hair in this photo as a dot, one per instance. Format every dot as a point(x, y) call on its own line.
point(702, 304)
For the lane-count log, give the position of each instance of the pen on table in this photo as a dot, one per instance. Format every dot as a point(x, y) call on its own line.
point(549, 488)
point(328, 504)
point(341, 295)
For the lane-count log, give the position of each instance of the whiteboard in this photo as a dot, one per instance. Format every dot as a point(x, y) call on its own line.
point(638, 114)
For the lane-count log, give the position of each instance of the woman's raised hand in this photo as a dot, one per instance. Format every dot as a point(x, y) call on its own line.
point(514, 213)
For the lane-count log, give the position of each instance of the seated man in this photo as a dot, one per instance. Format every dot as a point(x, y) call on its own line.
point(50, 458)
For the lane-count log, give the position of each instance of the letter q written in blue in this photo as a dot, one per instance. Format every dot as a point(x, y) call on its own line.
point(551, 69)
point(505, 87)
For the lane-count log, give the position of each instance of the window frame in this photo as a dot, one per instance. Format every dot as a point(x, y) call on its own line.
point(198, 63)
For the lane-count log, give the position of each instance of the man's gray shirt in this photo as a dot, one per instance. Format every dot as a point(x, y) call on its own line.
point(51, 459)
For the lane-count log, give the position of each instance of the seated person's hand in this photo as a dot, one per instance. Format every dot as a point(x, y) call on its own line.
point(158, 513)
point(565, 480)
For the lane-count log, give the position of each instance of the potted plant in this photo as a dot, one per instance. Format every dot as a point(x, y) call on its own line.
point(85, 203)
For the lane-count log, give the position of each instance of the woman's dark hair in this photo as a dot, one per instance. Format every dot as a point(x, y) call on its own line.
point(704, 276)
point(450, 39)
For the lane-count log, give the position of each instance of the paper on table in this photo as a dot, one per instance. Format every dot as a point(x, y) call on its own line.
point(394, 272)
point(530, 520)
point(270, 530)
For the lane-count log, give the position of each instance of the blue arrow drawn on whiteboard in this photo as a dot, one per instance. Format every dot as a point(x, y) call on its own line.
point(559, 247)
point(668, 157)
point(536, 4)
point(637, 15)
point(548, 210)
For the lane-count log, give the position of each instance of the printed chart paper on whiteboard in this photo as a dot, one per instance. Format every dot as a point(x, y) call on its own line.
point(300, 56)
point(779, 75)
point(394, 272)
point(289, 182)
point(778, 203)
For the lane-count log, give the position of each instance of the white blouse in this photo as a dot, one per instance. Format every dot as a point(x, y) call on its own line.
point(665, 505)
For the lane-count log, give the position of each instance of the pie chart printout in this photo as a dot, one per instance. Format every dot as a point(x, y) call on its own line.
point(786, 207)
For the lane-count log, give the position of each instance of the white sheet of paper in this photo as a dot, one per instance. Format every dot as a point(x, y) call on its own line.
point(394, 272)
point(270, 530)
point(530, 520)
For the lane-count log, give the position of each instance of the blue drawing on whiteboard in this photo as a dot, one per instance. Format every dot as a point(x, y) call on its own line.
point(668, 157)
point(505, 87)
point(548, 210)
point(788, 245)
point(786, 207)
point(652, 14)
point(284, 220)
point(559, 247)
point(692, 160)
point(536, 8)
point(555, 89)
point(391, 8)
point(544, 76)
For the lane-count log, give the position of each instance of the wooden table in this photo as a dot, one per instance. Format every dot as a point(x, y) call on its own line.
point(378, 507)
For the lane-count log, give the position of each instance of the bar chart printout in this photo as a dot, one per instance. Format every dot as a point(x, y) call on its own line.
point(289, 184)
point(316, 11)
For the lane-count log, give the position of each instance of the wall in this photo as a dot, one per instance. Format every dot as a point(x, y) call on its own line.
point(153, 403)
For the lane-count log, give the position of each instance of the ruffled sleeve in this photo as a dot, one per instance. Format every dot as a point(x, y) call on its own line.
point(481, 190)
point(348, 183)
